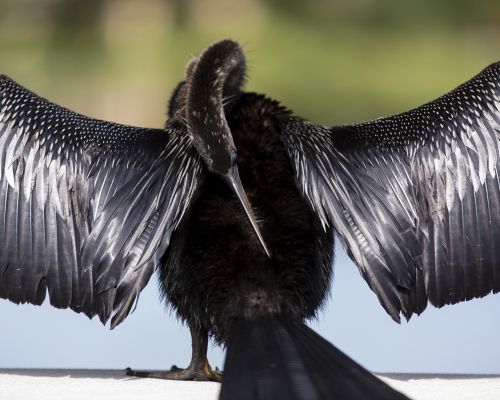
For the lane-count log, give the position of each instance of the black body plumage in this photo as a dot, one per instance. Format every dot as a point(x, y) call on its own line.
point(213, 273)
point(89, 209)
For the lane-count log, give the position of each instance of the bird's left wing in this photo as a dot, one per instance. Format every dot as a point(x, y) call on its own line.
point(87, 207)
point(414, 197)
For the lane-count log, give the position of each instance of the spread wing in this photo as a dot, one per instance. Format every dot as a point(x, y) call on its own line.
point(87, 207)
point(414, 197)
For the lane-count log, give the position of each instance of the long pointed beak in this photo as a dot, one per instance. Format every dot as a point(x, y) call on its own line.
point(233, 178)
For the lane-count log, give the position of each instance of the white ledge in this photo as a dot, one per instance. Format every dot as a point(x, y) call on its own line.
point(41, 384)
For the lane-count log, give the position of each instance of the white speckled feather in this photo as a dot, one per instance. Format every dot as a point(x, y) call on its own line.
point(418, 191)
point(87, 206)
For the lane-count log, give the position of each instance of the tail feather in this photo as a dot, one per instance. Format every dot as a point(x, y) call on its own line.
point(274, 359)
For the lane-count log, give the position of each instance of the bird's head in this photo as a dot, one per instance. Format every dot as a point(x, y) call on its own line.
point(213, 82)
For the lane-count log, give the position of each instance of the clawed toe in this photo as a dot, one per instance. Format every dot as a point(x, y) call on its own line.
point(199, 369)
point(179, 374)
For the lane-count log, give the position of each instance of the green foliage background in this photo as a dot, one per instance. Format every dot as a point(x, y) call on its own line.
point(331, 61)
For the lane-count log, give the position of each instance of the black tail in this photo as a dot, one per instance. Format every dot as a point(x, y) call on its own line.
point(272, 360)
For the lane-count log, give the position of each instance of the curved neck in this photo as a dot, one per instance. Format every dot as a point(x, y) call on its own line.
point(216, 77)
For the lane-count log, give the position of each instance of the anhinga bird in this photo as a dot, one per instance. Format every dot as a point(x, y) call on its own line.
point(89, 209)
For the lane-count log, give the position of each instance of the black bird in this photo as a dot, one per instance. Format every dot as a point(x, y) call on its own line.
point(89, 209)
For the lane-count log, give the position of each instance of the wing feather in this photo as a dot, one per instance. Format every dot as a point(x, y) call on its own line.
point(414, 197)
point(87, 207)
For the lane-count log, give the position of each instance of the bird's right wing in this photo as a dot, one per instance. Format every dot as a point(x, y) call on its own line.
point(415, 197)
point(87, 207)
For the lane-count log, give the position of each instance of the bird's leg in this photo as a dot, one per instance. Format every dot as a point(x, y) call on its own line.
point(199, 369)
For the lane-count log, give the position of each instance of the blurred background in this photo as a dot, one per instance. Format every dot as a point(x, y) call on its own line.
point(331, 61)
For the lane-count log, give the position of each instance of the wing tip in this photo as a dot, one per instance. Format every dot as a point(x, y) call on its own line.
point(395, 316)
